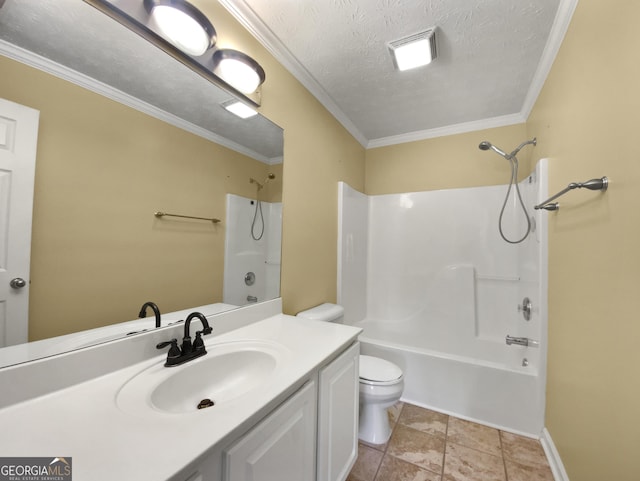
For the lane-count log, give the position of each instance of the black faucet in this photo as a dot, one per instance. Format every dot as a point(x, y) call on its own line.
point(156, 311)
point(188, 350)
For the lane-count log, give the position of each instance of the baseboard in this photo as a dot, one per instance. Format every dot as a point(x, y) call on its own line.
point(557, 468)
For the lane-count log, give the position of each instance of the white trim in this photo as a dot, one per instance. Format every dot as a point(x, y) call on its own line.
point(556, 36)
point(472, 126)
point(65, 73)
point(250, 20)
point(557, 468)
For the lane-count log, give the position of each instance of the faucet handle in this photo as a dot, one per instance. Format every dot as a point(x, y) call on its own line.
point(198, 343)
point(174, 350)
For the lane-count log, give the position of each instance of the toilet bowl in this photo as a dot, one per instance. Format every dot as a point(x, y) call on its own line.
point(381, 383)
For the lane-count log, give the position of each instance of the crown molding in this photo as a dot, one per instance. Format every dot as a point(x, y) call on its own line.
point(49, 66)
point(462, 128)
point(250, 20)
point(554, 42)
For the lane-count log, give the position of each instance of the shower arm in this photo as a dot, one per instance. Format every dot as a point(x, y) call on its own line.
point(593, 184)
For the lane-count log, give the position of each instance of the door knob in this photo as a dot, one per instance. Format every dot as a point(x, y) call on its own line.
point(18, 283)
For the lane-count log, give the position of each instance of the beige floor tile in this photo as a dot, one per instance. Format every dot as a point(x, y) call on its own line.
point(424, 420)
point(520, 472)
point(416, 447)
point(394, 469)
point(523, 450)
point(473, 435)
point(366, 465)
point(466, 464)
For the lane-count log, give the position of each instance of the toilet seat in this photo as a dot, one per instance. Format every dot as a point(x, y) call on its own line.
point(376, 371)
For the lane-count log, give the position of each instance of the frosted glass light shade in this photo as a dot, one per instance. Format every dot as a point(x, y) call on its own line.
point(238, 70)
point(238, 108)
point(182, 25)
point(414, 51)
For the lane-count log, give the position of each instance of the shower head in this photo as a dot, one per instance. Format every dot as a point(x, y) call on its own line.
point(254, 181)
point(271, 176)
point(484, 145)
point(487, 145)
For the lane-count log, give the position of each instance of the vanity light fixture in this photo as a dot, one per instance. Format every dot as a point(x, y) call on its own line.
point(238, 108)
point(414, 51)
point(182, 25)
point(181, 30)
point(238, 70)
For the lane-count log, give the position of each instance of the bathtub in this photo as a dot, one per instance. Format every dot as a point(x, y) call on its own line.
point(492, 387)
point(436, 291)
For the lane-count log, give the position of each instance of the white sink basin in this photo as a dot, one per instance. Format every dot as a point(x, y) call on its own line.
point(227, 372)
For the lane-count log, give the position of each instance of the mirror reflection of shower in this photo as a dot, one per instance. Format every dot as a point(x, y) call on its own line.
point(513, 160)
point(252, 267)
point(259, 186)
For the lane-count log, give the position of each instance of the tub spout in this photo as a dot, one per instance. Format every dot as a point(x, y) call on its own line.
point(521, 341)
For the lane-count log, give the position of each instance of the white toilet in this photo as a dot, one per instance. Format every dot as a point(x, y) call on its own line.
point(381, 382)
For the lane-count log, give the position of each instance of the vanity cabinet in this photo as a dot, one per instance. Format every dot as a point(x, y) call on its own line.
point(281, 447)
point(311, 436)
point(338, 399)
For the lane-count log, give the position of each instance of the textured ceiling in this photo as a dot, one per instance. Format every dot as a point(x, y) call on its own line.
point(74, 34)
point(493, 56)
point(489, 53)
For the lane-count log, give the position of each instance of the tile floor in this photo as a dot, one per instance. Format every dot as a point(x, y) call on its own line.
point(430, 446)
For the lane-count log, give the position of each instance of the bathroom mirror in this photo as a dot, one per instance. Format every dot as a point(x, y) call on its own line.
point(105, 166)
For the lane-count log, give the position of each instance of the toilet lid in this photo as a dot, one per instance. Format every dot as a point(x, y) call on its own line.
point(378, 370)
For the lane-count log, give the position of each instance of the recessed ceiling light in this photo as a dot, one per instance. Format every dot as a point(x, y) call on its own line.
point(182, 25)
point(238, 108)
point(238, 70)
point(414, 51)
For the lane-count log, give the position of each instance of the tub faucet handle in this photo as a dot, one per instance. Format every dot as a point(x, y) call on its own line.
point(525, 308)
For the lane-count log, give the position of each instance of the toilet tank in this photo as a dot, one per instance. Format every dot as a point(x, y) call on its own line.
point(326, 312)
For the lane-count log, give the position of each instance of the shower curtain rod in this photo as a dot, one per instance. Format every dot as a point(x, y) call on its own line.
point(164, 214)
point(593, 184)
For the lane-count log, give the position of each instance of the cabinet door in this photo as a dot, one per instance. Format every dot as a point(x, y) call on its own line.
point(338, 416)
point(282, 447)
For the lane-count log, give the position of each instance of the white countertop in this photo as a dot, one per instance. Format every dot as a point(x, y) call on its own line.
point(84, 421)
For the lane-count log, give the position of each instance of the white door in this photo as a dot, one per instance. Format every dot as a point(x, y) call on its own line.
point(18, 140)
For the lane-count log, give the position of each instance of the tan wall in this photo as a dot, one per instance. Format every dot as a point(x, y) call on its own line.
point(318, 153)
point(102, 171)
point(586, 120)
point(448, 162)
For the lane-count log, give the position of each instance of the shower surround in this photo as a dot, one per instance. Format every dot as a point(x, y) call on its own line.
point(436, 290)
point(243, 254)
